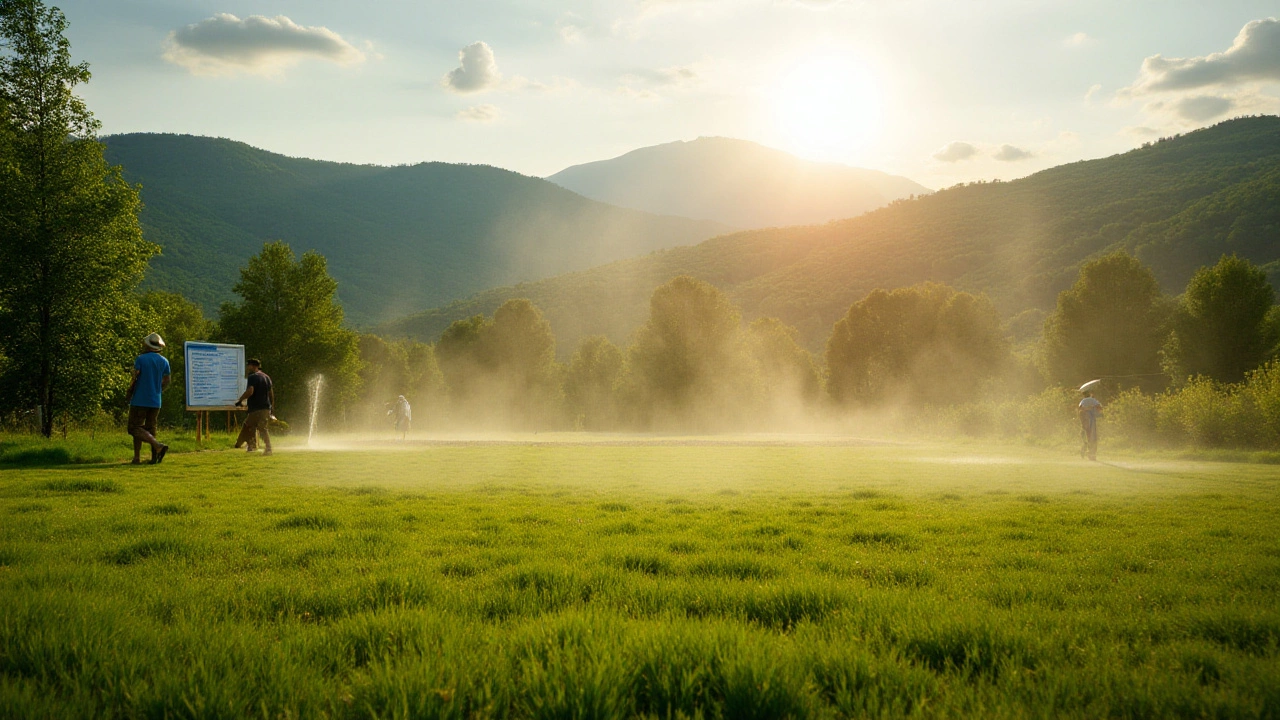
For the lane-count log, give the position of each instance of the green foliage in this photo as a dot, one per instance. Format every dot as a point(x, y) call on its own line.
point(831, 582)
point(390, 369)
point(926, 343)
point(72, 250)
point(503, 372)
point(398, 239)
point(1113, 321)
point(177, 320)
point(591, 384)
point(790, 378)
point(690, 365)
point(1177, 205)
point(288, 316)
point(1220, 330)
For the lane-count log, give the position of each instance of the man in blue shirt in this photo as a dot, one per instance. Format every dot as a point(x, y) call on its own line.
point(150, 378)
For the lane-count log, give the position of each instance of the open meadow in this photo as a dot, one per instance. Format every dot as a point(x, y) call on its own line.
point(620, 578)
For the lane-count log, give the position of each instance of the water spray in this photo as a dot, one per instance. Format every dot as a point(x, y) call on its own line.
point(315, 405)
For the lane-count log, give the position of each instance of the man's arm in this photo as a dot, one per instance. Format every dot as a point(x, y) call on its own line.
point(164, 382)
point(248, 393)
point(133, 385)
point(271, 398)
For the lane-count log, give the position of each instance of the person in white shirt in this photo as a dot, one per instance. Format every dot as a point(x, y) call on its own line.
point(1090, 410)
point(403, 415)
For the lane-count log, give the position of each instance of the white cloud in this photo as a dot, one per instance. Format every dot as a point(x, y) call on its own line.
point(225, 44)
point(646, 83)
point(477, 70)
point(1009, 153)
point(1199, 108)
point(479, 114)
point(1254, 56)
point(1093, 90)
point(955, 152)
point(1078, 40)
point(1141, 132)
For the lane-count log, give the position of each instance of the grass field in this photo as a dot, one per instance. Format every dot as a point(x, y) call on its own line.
point(561, 580)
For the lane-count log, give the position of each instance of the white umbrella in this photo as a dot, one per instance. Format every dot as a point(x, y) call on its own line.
point(1090, 386)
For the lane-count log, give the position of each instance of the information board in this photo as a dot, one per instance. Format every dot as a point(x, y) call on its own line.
point(215, 375)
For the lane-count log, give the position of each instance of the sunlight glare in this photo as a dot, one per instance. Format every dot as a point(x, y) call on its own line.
point(827, 106)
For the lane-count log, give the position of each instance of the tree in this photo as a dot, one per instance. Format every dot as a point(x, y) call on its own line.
point(790, 376)
point(690, 365)
point(503, 371)
point(1220, 330)
point(590, 385)
point(178, 320)
point(925, 343)
point(1112, 322)
point(72, 249)
point(389, 369)
point(289, 317)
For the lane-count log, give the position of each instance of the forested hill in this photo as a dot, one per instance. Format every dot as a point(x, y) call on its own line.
point(735, 182)
point(1177, 204)
point(398, 239)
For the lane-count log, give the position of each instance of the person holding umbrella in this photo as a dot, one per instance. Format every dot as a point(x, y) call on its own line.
point(1089, 411)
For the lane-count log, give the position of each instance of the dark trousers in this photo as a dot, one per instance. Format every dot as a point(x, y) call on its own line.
point(255, 424)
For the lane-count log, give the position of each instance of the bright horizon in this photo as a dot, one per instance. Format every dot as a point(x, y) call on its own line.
point(939, 92)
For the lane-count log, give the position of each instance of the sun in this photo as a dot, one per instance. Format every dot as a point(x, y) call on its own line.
point(826, 106)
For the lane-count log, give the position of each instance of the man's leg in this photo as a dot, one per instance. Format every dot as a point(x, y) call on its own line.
point(138, 421)
point(158, 449)
point(266, 436)
point(246, 434)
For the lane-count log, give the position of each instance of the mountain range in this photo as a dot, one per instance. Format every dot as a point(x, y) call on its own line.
point(398, 239)
point(1177, 204)
point(735, 182)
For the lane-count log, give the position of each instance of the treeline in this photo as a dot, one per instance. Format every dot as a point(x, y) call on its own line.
point(1179, 370)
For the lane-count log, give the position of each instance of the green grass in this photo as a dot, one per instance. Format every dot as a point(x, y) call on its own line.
point(575, 581)
point(80, 447)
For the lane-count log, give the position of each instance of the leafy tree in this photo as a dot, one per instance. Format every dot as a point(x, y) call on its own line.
point(1220, 330)
point(73, 251)
point(789, 374)
point(590, 385)
point(289, 317)
point(462, 356)
point(690, 363)
point(389, 369)
point(924, 343)
point(178, 320)
point(503, 371)
point(1113, 321)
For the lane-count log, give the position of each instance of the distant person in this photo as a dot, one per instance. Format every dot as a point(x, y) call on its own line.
point(403, 415)
point(150, 378)
point(261, 402)
point(1090, 410)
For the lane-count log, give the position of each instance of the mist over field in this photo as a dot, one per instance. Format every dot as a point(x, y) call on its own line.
point(755, 425)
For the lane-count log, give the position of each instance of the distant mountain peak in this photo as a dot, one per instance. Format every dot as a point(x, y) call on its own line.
point(737, 182)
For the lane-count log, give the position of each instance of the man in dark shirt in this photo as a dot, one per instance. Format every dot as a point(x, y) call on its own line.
point(261, 400)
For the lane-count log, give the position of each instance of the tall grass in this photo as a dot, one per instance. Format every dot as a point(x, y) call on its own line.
point(752, 582)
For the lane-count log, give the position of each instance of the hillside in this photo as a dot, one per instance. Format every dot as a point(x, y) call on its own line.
point(398, 239)
point(1178, 204)
point(735, 182)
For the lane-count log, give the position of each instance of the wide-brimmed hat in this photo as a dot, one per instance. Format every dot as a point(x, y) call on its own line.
point(153, 342)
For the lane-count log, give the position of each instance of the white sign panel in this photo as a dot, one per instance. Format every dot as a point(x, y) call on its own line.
point(215, 375)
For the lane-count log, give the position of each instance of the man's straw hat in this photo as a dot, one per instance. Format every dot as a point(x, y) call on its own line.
point(153, 342)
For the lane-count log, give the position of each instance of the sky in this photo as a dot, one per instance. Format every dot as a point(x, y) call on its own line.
point(941, 91)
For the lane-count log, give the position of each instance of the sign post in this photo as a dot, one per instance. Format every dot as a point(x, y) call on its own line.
point(215, 379)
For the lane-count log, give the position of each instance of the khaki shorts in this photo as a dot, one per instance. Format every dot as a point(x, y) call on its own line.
point(142, 418)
